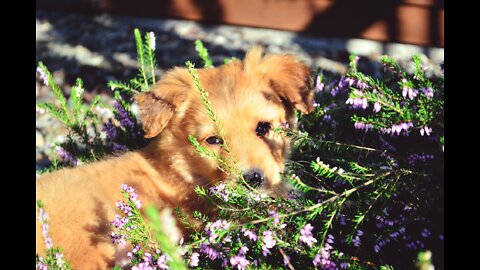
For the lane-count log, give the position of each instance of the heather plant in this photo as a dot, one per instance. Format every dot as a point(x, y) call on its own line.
point(89, 139)
point(366, 173)
point(53, 258)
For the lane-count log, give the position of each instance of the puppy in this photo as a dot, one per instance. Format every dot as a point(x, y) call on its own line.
point(249, 97)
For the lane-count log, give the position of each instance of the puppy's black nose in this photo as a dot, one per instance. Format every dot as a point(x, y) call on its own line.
point(254, 177)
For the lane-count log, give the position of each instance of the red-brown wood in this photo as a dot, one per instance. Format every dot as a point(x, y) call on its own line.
point(408, 21)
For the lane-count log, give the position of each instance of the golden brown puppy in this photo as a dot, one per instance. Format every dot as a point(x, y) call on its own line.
point(249, 97)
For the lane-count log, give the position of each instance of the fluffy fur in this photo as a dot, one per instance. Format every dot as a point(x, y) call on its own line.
point(81, 201)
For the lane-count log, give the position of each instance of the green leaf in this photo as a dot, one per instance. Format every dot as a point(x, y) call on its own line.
point(164, 236)
point(56, 112)
point(203, 53)
point(124, 87)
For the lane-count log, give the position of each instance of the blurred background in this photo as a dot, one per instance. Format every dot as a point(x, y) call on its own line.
point(93, 39)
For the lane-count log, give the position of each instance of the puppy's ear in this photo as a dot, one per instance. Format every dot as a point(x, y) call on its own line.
point(289, 78)
point(159, 105)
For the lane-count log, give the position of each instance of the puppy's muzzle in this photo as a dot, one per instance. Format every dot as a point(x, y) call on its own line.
point(254, 177)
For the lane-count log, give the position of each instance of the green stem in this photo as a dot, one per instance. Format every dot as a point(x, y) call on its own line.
point(331, 199)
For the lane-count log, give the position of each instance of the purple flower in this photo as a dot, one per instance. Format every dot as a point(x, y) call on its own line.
point(119, 221)
point(132, 195)
point(330, 239)
point(319, 85)
point(239, 261)
point(350, 81)
point(48, 243)
point(43, 75)
point(143, 266)
point(377, 107)
point(194, 259)
point(364, 103)
point(356, 241)
point(276, 218)
point(396, 129)
point(426, 233)
point(211, 253)
point(220, 224)
point(341, 82)
point(323, 259)
point(212, 228)
point(125, 208)
point(118, 238)
point(361, 125)
point(405, 91)
point(250, 234)
point(116, 147)
point(402, 126)
point(394, 235)
point(221, 191)
point(66, 156)
point(45, 229)
point(412, 93)
point(428, 92)
point(110, 130)
point(414, 159)
point(162, 262)
point(122, 115)
point(243, 250)
point(40, 265)
point(111, 135)
point(316, 260)
point(361, 85)
point(385, 130)
point(425, 130)
point(268, 242)
point(306, 235)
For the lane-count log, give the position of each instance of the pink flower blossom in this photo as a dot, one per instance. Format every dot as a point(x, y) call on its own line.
point(194, 259)
point(306, 235)
point(239, 261)
point(318, 84)
point(268, 242)
point(425, 130)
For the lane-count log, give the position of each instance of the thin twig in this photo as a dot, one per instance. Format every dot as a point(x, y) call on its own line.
point(286, 259)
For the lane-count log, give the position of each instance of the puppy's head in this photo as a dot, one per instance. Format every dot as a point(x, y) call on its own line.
point(250, 98)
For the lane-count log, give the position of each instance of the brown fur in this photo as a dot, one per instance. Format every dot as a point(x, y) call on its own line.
point(81, 201)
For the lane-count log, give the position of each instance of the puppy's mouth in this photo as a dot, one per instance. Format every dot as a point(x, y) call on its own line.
point(280, 190)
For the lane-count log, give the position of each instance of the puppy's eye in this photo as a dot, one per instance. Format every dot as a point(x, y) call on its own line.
point(263, 128)
point(214, 140)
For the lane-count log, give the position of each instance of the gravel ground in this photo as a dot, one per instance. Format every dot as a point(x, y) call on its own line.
point(99, 48)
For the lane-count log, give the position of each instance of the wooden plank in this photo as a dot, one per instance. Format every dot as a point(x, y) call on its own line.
point(407, 21)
